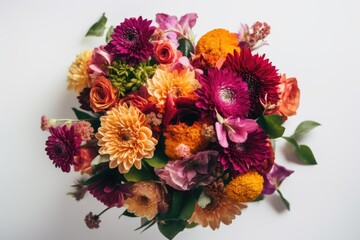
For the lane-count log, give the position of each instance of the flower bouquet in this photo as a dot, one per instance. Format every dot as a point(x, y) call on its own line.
point(177, 131)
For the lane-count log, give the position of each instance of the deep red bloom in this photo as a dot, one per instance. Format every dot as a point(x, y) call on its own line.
point(110, 189)
point(260, 75)
point(62, 146)
point(254, 154)
point(131, 40)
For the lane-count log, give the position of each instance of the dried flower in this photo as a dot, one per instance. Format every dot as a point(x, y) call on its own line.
point(92, 221)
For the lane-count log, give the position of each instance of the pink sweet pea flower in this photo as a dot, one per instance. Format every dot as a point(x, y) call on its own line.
point(273, 180)
point(100, 60)
point(233, 128)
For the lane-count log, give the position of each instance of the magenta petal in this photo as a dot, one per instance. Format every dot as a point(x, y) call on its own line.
point(221, 135)
point(166, 21)
point(238, 136)
point(188, 21)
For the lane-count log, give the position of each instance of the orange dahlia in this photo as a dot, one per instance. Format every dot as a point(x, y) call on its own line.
point(179, 84)
point(221, 208)
point(126, 137)
point(78, 77)
point(147, 199)
point(216, 44)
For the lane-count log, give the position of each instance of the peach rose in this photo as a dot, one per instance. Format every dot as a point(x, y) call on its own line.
point(102, 94)
point(164, 52)
point(83, 159)
point(289, 96)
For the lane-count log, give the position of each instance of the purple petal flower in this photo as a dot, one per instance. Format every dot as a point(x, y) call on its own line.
point(187, 22)
point(274, 179)
point(99, 62)
point(191, 172)
point(62, 146)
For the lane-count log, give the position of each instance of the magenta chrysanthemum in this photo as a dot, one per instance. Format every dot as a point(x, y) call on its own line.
point(254, 154)
point(225, 92)
point(61, 146)
point(131, 40)
point(262, 79)
point(109, 190)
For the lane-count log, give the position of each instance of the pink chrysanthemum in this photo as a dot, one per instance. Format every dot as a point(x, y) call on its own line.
point(262, 78)
point(253, 154)
point(225, 92)
point(62, 145)
point(131, 40)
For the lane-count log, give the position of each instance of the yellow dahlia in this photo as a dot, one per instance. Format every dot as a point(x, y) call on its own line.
point(126, 137)
point(246, 187)
point(147, 199)
point(216, 44)
point(78, 77)
point(221, 208)
point(179, 84)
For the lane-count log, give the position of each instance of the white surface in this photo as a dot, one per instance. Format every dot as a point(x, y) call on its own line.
point(316, 41)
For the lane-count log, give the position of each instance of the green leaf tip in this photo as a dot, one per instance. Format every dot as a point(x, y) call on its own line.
point(303, 152)
point(286, 202)
point(271, 124)
point(305, 127)
point(98, 28)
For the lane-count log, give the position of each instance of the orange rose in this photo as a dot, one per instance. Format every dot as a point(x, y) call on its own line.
point(102, 94)
point(164, 52)
point(83, 159)
point(289, 96)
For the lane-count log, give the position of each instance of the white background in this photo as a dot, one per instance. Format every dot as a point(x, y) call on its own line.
point(316, 41)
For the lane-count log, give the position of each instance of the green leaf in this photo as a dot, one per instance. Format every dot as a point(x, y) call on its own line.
point(171, 228)
point(258, 198)
point(191, 225)
point(109, 32)
point(302, 151)
point(96, 177)
point(127, 214)
point(98, 28)
point(271, 124)
point(175, 207)
point(186, 47)
point(81, 115)
point(188, 207)
point(157, 161)
point(136, 175)
point(144, 223)
point(305, 127)
point(286, 202)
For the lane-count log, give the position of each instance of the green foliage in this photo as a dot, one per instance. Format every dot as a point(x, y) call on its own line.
point(136, 175)
point(186, 47)
point(286, 202)
point(305, 127)
point(108, 34)
point(128, 78)
point(171, 228)
point(93, 120)
point(271, 124)
point(302, 151)
point(158, 160)
point(98, 28)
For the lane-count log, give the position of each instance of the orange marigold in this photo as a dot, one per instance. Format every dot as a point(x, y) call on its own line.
point(246, 187)
point(183, 135)
point(216, 44)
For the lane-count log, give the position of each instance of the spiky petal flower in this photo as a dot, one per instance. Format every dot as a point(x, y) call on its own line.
point(78, 77)
point(62, 145)
point(221, 208)
point(147, 199)
point(131, 40)
point(254, 154)
point(125, 136)
point(259, 74)
point(225, 92)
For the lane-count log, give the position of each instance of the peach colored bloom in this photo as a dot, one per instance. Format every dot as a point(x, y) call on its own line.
point(289, 96)
point(179, 84)
point(126, 137)
point(102, 94)
point(83, 159)
point(78, 77)
point(164, 52)
point(84, 129)
point(146, 200)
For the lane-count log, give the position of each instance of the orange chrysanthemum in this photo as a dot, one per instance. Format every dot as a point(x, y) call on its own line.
point(147, 199)
point(179, 84)
point(221, 208)
point(125, 136)
point(246, 187)
point(183, 135)
point(216, 44)
point(78, 77)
